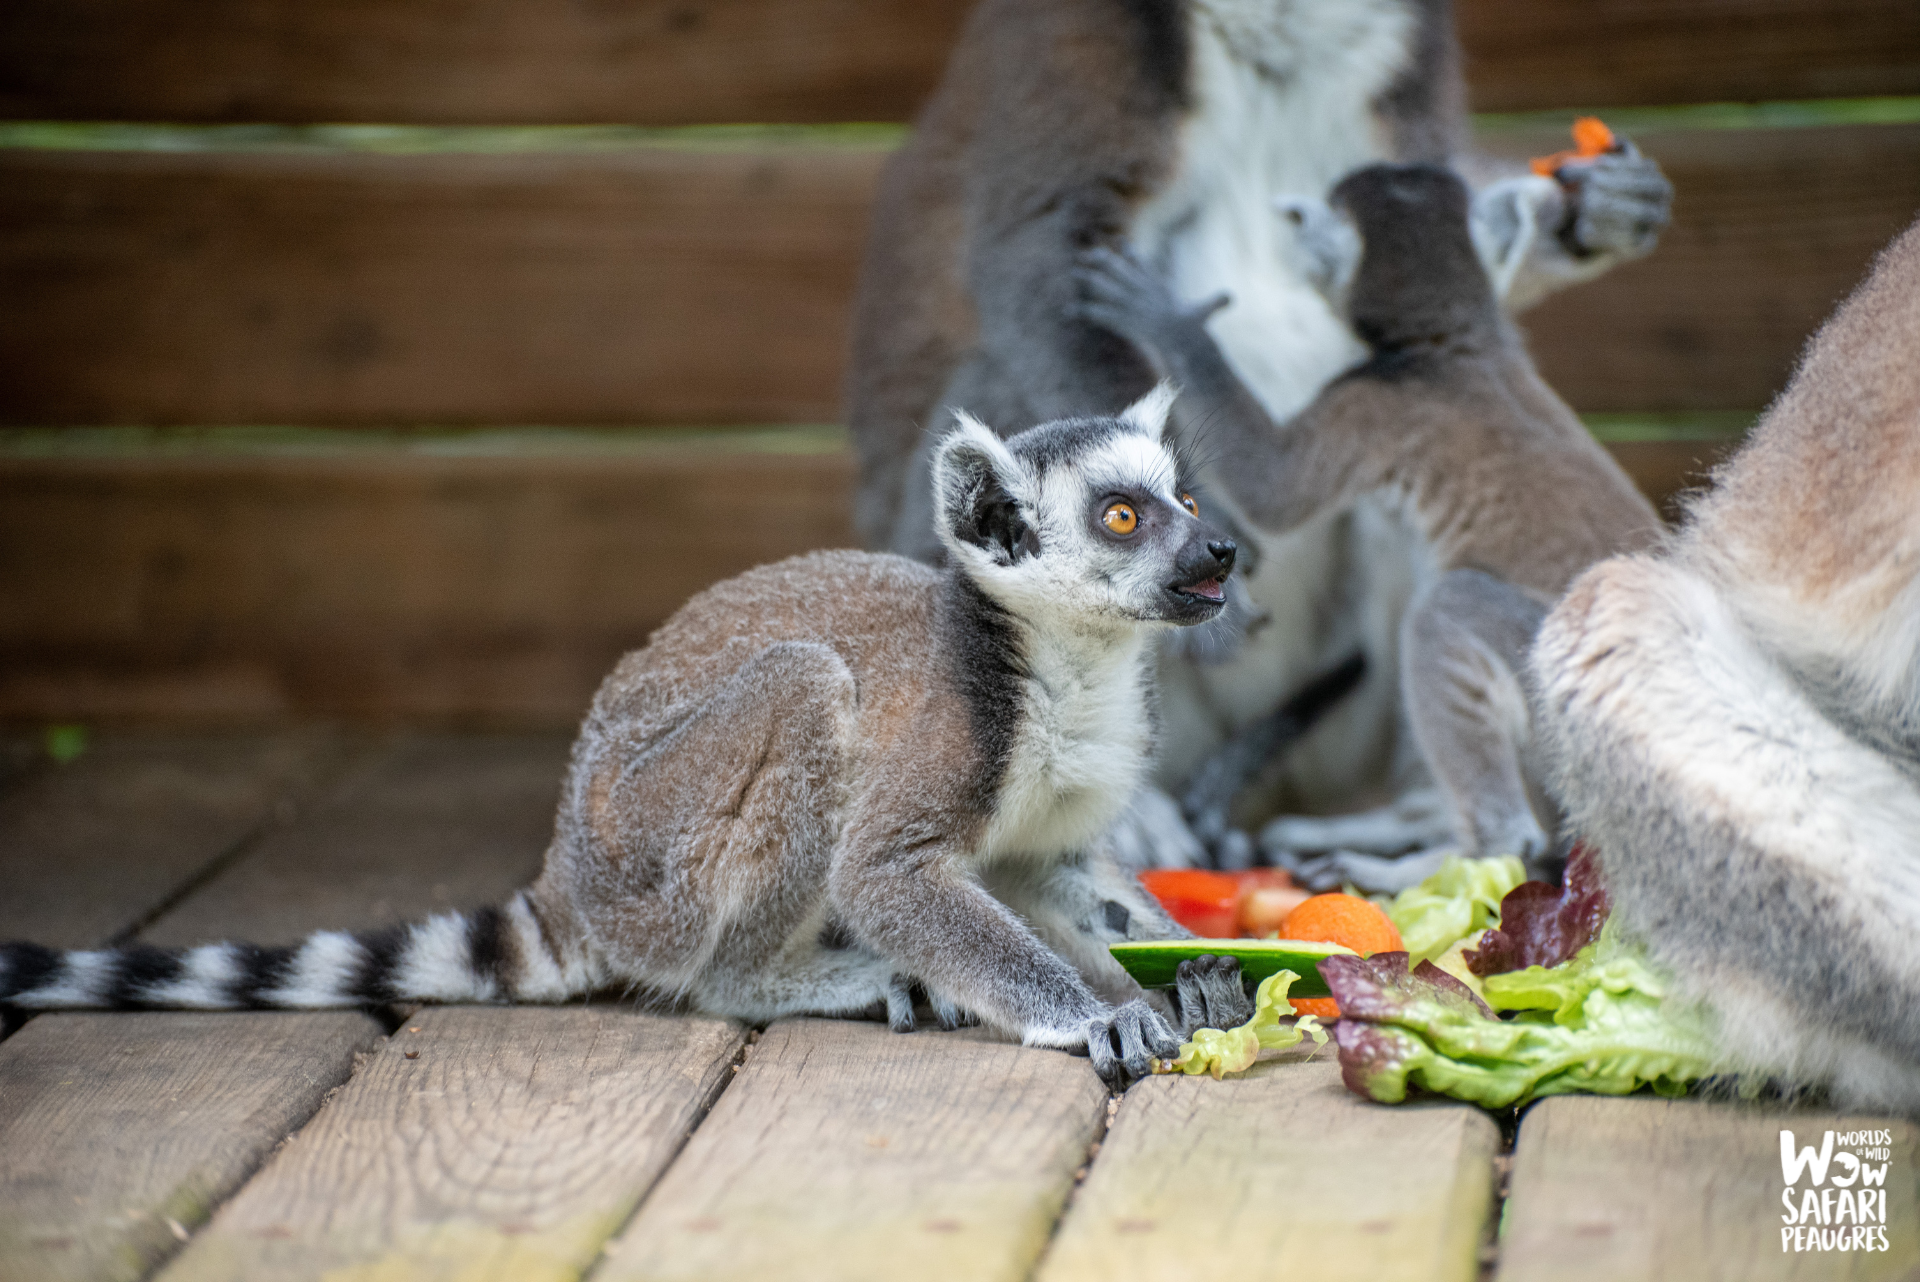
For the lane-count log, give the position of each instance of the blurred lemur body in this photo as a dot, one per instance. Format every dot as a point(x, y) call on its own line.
point(1734, 723)
point(1447, 423)
point(1168, 127)
point(831, 781)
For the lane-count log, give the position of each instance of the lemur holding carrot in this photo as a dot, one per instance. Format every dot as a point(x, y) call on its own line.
point(1445, 424)
point(1167, 127)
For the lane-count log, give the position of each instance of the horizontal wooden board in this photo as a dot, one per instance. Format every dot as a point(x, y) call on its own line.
point(472, 61)
point(122, 1132)
point(499, 589)
point(1280, 1174)
point(846, 1152)
point(1684, 1191)
point(1525, 54)
point(461, 590)
point(675, 61)
point(659, 285)
point(646, 286)
point(430, 823)
point(504, 1145)
point(88, 849)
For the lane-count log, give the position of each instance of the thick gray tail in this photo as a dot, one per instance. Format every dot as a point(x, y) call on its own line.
point(489, 954)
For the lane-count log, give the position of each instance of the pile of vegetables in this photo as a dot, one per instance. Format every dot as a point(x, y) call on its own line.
point(1505, 991)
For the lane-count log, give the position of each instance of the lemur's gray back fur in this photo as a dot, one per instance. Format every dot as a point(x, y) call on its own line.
point(828, 783)
point(1732, 722)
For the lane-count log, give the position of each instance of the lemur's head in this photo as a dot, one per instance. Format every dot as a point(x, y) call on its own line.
point(1393, 250)
point(1085, 517)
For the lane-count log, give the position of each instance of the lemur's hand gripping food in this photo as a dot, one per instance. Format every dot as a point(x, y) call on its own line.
point(1234, 1050)
point(1155, 963)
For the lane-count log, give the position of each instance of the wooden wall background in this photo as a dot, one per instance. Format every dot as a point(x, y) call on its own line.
point(681, 279)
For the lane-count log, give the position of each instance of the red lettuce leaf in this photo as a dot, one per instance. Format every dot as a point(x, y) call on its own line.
point(1374, 993)
point(1542, 926)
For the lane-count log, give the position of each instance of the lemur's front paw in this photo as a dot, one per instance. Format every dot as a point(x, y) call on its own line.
point(1124, 1042)
point(1620, 203)
point(1211, 993)
point(1117, 292)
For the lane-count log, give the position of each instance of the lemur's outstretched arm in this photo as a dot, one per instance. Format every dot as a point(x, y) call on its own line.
point(1602, 213)
point(1278, 475)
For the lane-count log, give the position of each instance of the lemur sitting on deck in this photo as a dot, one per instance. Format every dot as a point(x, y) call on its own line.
point(1446, 423)
point(1735, 723)
point(829, 781)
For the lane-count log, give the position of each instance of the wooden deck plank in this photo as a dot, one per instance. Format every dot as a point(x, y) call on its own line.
point(1281, 1173)
point(390, 586)
point(663, 285)
point(434, 822)
point(669, 61)
point(88, 847)
point(121, 1131)
point(1683, 1191)
point(846, 1152)
point(490, 1143)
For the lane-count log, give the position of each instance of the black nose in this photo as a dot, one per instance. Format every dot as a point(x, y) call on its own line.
point(1223, 551)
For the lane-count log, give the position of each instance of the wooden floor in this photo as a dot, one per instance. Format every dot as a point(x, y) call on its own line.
point(534, 1143)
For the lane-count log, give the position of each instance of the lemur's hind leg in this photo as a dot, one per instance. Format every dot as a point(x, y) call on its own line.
point(1464, 646)
point(705, 851)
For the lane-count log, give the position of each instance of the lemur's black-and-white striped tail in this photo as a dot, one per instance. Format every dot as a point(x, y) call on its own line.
point(489, 954)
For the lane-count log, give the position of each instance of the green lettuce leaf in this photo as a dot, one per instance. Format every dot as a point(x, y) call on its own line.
point(1234, 1050)
point(1460, 899)
point(1599, 1023)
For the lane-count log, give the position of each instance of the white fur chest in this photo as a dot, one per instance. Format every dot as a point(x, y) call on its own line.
point(1082, 749)
point(1283, 105)
point(1283, 93)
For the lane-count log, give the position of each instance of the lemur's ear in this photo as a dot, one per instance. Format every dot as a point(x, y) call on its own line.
point(976, 481)
point(1148, 415)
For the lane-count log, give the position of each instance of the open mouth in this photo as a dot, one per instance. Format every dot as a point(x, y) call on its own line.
point(1214, 590)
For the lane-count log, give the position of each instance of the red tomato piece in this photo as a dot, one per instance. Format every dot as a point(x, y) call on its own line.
point(1206, 903)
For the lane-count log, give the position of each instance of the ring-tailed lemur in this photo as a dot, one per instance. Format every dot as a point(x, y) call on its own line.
point(1734, 724)
point(1168, 127)
point(831, 780)
point(1446, 421)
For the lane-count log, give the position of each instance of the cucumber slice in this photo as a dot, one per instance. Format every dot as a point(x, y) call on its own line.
point(1154, 962)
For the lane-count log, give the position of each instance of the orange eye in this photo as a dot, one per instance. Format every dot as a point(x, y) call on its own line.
point(1120, 518)
point(1186, 501)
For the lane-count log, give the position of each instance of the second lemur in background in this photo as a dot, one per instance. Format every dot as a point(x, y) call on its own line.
point(1168, 126)
point(1447, 422)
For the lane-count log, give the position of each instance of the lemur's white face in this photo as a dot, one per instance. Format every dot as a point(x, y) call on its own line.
point(1086, 519)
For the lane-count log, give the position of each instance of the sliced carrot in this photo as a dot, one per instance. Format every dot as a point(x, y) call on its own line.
point(1357, 923)
point(1590, 138)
